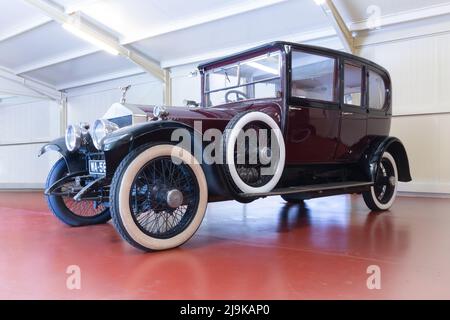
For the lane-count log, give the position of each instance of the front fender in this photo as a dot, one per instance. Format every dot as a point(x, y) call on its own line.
point(395, 147)
point(75, 162)
point(122, 142)
point(57, 145)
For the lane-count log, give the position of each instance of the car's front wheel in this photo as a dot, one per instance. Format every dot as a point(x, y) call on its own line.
point(66, 209)
point(159, 197)
point(383, 193)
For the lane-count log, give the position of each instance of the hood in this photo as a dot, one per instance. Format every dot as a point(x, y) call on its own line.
point(183, 114)
point(216, 117)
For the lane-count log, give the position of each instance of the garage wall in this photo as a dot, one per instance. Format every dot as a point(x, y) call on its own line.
point(90, 103)
point(23, 131)
point(419, 62)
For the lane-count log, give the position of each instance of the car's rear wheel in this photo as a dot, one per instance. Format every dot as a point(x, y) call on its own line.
point(71, 212)
point(382, 195)
point(159, 197)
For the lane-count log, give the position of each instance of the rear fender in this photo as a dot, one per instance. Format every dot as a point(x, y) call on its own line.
point(395, 147)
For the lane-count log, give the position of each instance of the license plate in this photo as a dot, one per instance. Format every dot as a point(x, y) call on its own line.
point(97, 167)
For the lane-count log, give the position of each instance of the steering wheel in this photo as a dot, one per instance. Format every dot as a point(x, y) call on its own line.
point(237, 93)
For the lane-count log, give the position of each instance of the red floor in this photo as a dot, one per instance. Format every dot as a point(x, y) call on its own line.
point(265, 250)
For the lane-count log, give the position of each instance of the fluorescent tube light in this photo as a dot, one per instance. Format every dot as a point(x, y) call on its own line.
point(89, 38)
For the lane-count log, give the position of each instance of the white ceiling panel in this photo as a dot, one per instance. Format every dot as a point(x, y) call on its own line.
point(134, 19)
point(78, 70)
point(356, 11)
point(280, 20)
point(40, 44)
point(17, 16)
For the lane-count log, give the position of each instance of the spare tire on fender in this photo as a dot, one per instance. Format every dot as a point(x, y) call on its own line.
point(250, 177)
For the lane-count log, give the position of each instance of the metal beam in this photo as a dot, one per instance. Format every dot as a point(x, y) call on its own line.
point(101, 78)
point(9, 34)
point(41, 89)
point(338, 23)
point(36, 65)
point(63, 119)
point(15, 93)
point(93, 31)
point(167, 88)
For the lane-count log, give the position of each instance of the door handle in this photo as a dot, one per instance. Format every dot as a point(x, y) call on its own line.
point(347, 113)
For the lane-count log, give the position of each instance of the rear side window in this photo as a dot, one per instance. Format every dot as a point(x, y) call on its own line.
point(377, 91)
point(313, 77)
point(352, 85)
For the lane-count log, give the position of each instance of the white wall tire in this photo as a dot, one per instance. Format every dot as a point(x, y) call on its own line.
point(233, 129)
point(372, 197)
point(120, 197)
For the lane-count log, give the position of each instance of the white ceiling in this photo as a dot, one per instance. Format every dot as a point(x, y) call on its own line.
point(170, 32)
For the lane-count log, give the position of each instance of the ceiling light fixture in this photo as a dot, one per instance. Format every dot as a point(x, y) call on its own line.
point(320, 2)
point(90, 38)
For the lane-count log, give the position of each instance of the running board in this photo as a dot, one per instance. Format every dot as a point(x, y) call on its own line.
point(319, 188)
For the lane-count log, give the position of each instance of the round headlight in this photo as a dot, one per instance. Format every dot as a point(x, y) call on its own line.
point(101, 129)
point(73, 138)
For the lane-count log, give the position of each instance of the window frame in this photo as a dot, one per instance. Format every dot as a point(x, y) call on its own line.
point(347, 62)
point(314, 103)
point(238, 61)
point(363, 108)
point(384, 109)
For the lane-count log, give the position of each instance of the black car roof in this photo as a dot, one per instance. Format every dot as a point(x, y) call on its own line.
point(281, 44)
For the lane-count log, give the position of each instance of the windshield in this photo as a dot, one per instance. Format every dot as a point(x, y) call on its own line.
point(257, 78)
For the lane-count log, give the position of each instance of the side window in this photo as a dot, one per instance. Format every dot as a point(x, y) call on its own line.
point(377, 91)
point(313, 77)
point(352, 85)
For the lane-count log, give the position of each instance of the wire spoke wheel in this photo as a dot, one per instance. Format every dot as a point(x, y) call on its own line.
point(385, 181)
point(164, 198)
point(84, 208)
point(248, 154)
point(382, 194)
point(65, 208)
point(254, 152)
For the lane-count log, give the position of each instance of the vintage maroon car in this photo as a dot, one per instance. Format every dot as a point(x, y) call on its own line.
point(325, 117)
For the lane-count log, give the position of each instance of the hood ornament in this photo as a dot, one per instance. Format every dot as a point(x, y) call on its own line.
point(124, 93)
point(160, 113)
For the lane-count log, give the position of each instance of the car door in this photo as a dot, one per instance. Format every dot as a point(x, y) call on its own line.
point(353, 115)
point(313, 111)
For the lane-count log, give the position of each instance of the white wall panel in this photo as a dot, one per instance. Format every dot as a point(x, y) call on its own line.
point(420, 70)
point(31, 122)
point(20, 166)
point(426, 138)
point(88, 104)
point(30, 125)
